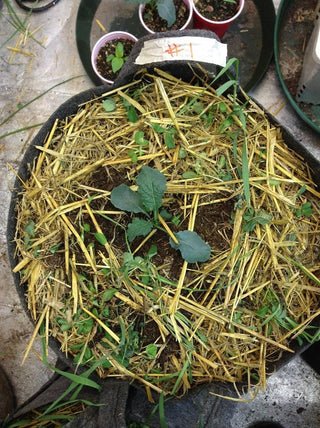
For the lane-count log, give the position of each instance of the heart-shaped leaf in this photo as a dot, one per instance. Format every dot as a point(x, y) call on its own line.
point(116, 64)
point(167, 11)
point(139, 227)
point(125, 199)
point(109, 104)
point(152, 185)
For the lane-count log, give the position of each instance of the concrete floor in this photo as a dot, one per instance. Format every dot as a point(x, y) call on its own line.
point(28, 75)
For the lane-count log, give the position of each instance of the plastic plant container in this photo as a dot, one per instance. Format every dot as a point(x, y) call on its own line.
point(100, 43)
point(283, 27)
point(188, 3)
point(309, 88)
point(218, 27)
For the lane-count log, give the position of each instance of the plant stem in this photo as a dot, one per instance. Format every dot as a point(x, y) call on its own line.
point(168, 230)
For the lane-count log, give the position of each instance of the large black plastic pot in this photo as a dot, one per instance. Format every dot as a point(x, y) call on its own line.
point(183, 70)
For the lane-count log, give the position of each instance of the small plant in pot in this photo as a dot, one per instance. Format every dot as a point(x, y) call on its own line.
point(162, 15)
point(110, 53)
point(216, 15)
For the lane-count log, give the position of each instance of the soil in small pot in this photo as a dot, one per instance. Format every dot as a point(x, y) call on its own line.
point(217, 10)
point(157, 24)
point(104, 67)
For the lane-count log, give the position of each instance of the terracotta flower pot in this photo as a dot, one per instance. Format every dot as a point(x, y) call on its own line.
point(218, 27)
point(189, 5)
point(101, 43)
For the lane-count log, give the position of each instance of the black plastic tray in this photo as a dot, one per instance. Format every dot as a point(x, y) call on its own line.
point(249, 38)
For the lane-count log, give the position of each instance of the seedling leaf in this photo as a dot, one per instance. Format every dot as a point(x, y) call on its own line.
point(108, 294)
point(152, 185)
point(302, 190)
point(223, 88)
point(151, 351)
point(119, 50)
point(305, 210)
point(189, 175)
point(116, 64)
point(132, 114)
point(139, 139)
point(30, 228)
point(158, 128)
point(253, 219)
point(125, 199)
point(167, 11)
point(192, 247)
point(139, 227)
point(100, 238)
point(169, 140)
point(109, 104)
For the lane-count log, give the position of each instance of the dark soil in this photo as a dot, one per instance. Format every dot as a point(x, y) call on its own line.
point(213, 224)
point(104, 67)
point(217, 10)
point(158, 25)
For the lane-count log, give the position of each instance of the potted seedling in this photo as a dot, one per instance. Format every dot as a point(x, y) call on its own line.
point(167, 234)
point(216, 15)
point(110, 53)
point(163, 15)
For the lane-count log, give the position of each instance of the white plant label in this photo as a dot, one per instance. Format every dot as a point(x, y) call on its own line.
point(198, 49)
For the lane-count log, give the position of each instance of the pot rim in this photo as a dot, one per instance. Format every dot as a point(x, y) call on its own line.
point(227, 21)
point(100, 43)
point(188, 3)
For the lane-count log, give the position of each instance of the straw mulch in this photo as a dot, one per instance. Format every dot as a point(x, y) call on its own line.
point(157, 319)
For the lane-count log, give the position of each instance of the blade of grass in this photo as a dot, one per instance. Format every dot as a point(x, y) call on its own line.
point(162, 416)
point(36, 98)
point(16, 131)
point(16, 23)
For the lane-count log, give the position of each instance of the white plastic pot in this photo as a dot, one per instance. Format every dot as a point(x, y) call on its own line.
point(188, 3)
point(101, 42)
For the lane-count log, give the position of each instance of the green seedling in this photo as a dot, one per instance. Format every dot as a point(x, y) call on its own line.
point(146, 270)
point(305, 210)
point(252, 217)
point(169, 134)
point(224, 170)
point(151, 351)
point(165, 9)
point(131, 111)
point(141, 142)
point(29, 233)
point(236, 115)
point(190, 175)
point(109, 104)
point(147, 200)
point(117, 59)
point(274, 314)
point(98, 235)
